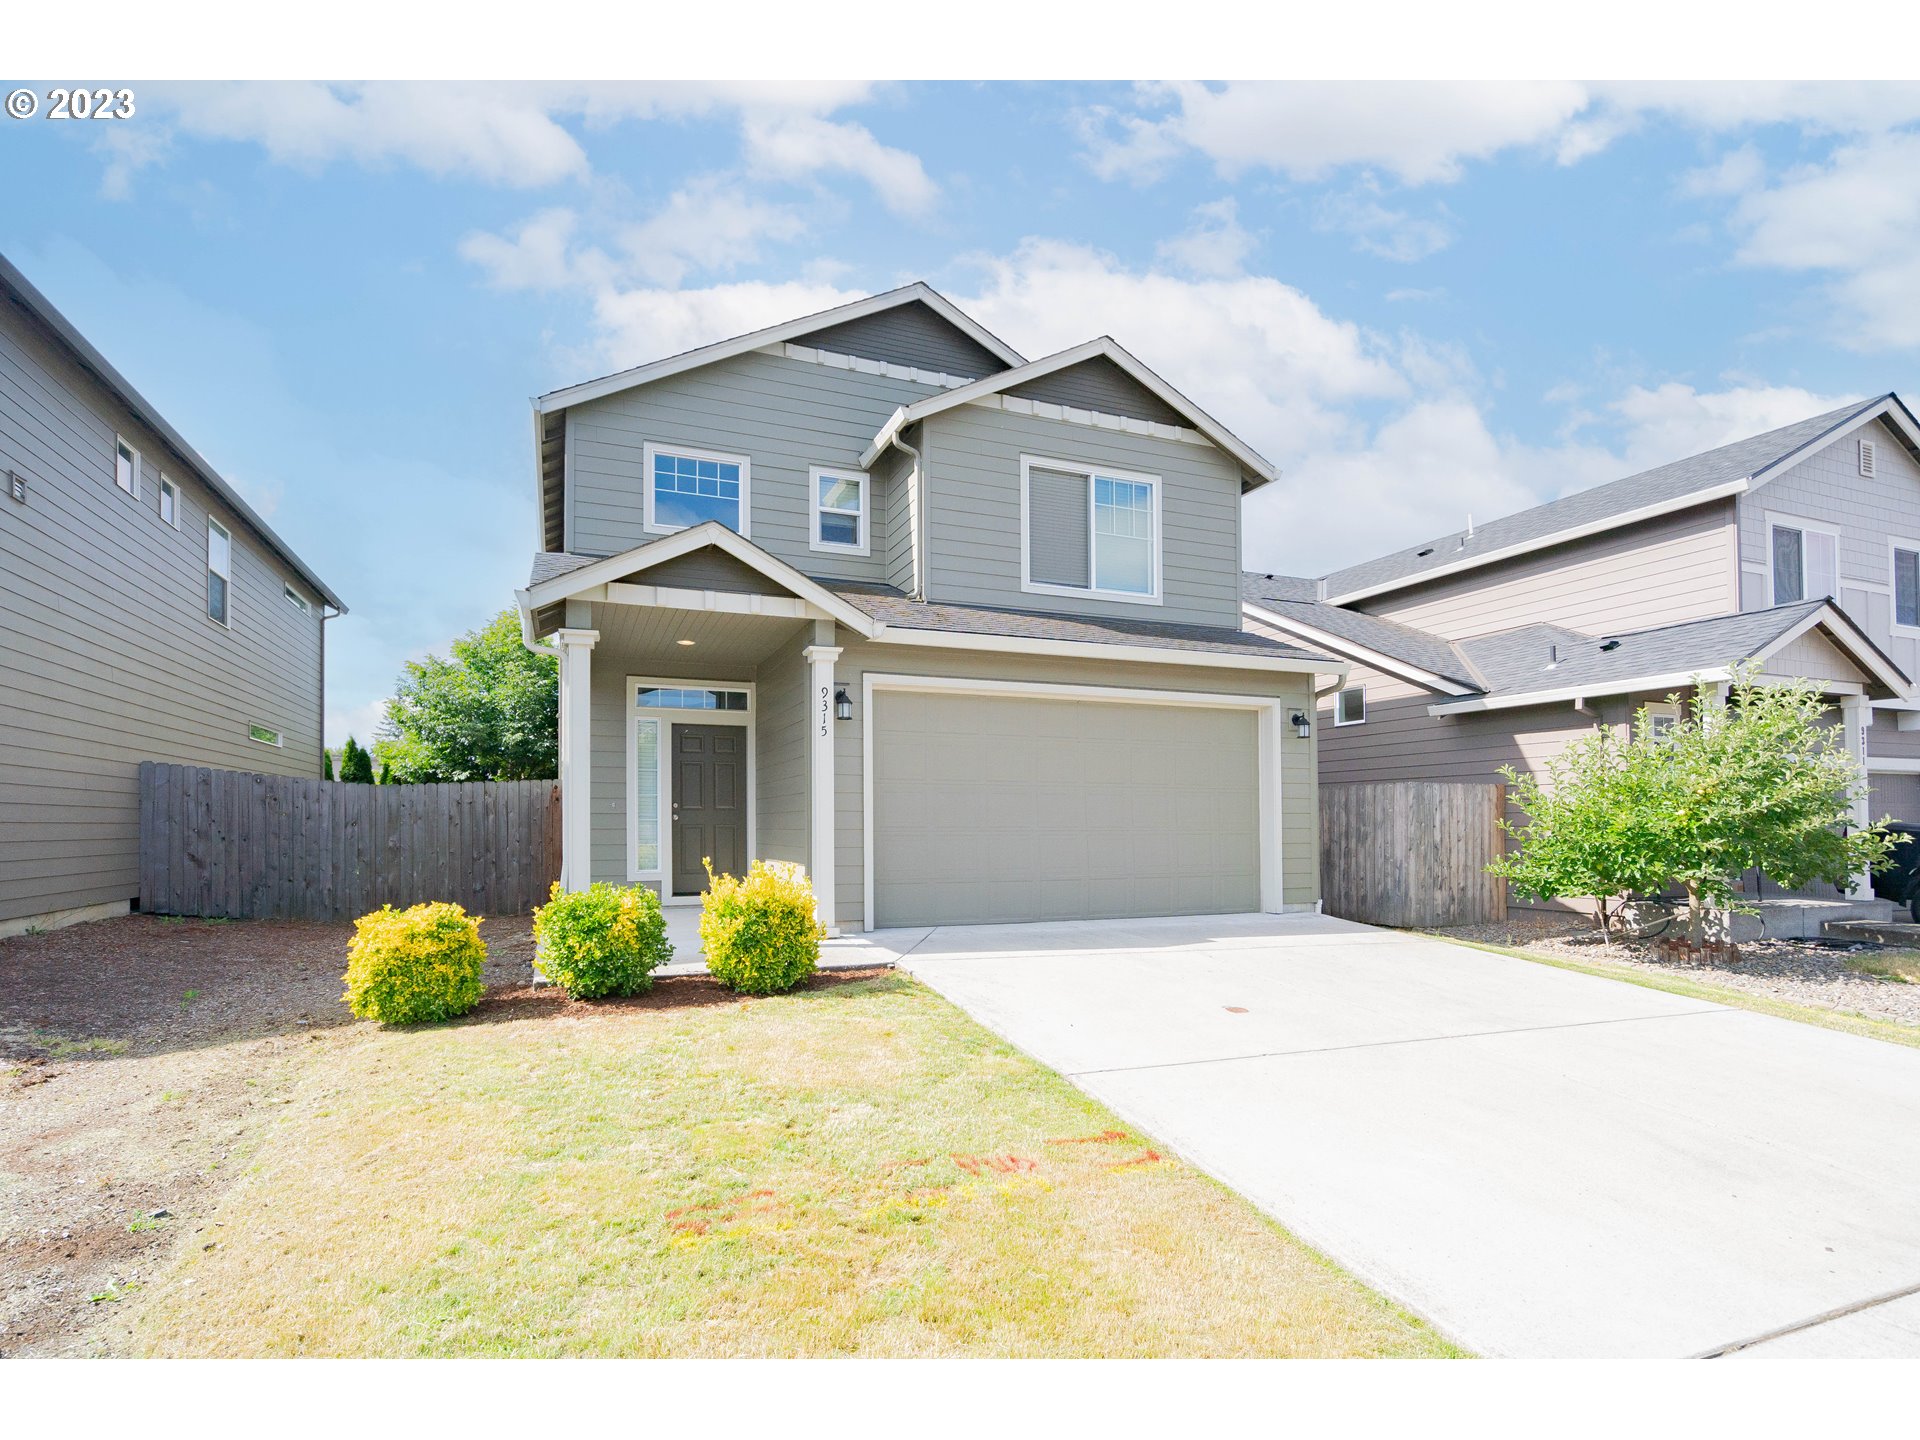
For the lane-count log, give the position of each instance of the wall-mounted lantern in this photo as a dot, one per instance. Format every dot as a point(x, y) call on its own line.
point(1302, 726)
point(842, 704)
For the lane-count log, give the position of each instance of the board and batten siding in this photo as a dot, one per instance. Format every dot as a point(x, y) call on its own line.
point(107, 657)
point(910, 335)
point(783, 415)
point(1659, 572)
point(1099, 384)
point(1828, 489)
point(972, 454)
point(1300, 859)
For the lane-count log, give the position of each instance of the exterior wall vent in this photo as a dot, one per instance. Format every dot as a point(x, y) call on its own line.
point(1867, 458)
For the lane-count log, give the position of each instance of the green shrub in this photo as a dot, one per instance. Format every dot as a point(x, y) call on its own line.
point(604, 940)
point(409, 966)
point(759, 933)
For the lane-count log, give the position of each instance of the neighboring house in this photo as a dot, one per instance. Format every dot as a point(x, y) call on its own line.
point(1797, 550)
point(146, 613)
point(958, 632)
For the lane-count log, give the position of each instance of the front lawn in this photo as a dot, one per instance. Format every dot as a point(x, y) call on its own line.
point(856, 1169)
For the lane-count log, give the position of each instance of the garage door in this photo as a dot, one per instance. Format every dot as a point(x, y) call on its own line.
point(999, 808)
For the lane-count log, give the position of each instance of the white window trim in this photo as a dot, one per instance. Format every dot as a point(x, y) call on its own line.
point(1270, 712)
point(134, 451)
point(167, 487)
point(1778, 520)
point(649, 450)
point(662, 874)
point(279, 740)
point(814, 542)
point(226, 575)
point(1089, 592)
point(1898, 542)
point(1661, 710)
point(296, 599)
point(1361, 690)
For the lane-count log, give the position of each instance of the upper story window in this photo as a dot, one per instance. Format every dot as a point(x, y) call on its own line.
point(689, 487)
point(219, 570)
point(1906, 584)
point(126, 467)
point(296, 599)
point(1803, 560)
point(1088, 530)
point(169, 502)
point(1350, 705)
point(840, 511)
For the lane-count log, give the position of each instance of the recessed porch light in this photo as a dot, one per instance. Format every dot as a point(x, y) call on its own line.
point(683, 642)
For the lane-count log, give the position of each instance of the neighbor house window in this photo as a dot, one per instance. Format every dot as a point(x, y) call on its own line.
point(1906, 586)
point(219, 570)
point(1659, 718)
point(295, 599)
point(169, 502)
point(840, 511)
point(1090, 530)
point(691, 487)
point(1805, 562)
point(126, 467)
point(1350, 705)
point(263, 735)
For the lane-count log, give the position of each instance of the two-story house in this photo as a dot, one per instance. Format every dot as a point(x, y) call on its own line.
point(1797, 551)
point(957, 631)
point(146, 613)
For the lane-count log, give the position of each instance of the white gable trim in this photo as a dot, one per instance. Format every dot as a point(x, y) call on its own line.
point(1046, 410)
point(1850, 641)
point(1250, 459)
point(834, 360)
point(772, 334)
point(712, 534)
point(1889, 409)
point(1365, 655)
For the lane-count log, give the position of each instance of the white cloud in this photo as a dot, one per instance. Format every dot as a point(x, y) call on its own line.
point(710, 224)
point(1670, 421)
point(796, 147)
point(1215, 245)
point(1378, 229)
point(538, 255)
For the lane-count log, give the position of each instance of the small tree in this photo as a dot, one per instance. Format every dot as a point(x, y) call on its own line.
point(356, 765)
point(487, 711)
point(386, 772)
point(326, 764)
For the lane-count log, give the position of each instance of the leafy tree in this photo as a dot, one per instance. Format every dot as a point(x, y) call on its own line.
point(1759, 783)
point(356, 765)
point(326, 763)
point(487, 711)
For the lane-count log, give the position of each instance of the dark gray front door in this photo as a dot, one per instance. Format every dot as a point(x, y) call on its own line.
point(709, 803)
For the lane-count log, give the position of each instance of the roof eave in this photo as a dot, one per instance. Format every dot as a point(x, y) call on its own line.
point(1358, 653)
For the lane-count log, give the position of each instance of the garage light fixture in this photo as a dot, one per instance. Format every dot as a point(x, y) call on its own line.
point(842, 704)
point(1302, 726)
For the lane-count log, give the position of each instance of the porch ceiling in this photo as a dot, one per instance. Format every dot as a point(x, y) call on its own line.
point(645, 638)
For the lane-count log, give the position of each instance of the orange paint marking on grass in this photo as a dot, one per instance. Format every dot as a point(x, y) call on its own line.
point(1105, 1137)
point(999, 1164)
point(1152, 1157)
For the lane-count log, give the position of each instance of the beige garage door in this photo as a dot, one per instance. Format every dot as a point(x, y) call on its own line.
point(992, 808)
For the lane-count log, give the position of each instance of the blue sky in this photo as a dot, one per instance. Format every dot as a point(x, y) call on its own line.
point(1422, 301)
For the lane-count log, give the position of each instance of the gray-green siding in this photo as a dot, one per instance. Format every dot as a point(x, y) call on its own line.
point(107, 657)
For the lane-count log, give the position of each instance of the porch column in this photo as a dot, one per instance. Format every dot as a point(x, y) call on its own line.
point(820, 778)
point(1856, 713)
point(576, 756)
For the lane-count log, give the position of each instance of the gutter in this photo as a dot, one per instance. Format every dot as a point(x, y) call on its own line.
point(538, 647)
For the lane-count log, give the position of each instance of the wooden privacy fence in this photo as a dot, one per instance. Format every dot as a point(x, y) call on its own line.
point(223, 842)
point(1411, 852)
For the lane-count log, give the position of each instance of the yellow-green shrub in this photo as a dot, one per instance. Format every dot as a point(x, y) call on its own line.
point(604, 940)
point(409, 966)
point(759, 932)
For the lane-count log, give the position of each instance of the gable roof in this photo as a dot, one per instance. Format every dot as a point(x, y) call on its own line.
point(1728, 470)
point(1286, 603)
point(23, 294)
point(1534, 664)
point(1106, 347)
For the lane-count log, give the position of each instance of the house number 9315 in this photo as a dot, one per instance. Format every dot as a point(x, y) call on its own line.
point(826, 709)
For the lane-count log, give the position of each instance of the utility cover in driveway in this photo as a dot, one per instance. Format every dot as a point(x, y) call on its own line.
point(1000, 808)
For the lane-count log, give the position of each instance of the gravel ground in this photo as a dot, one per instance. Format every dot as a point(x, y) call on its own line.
point(136, 1054)
point(1806, 974)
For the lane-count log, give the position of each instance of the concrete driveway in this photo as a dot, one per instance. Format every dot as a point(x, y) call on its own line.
point(1539, 1162)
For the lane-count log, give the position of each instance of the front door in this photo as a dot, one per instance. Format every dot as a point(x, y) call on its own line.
point(709, 803)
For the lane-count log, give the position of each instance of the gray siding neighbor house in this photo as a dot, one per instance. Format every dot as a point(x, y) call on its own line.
point(146, 613)
point(1797, 550)
point(958, 632)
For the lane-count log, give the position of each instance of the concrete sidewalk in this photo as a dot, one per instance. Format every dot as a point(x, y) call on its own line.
point(1541, 1162)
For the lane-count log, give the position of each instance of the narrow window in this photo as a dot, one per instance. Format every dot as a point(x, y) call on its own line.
point(263, 735)
point(1789, 583)
point(690, 487)
point(295, 599)
point(1059, 545)
point(646, 794)
point(219, 570)
point(169, 503)
point(840, 511)
point(126, 467)
point(1906, 587)
point(1122, 536)
point(1806, 564)
point(1350, 705)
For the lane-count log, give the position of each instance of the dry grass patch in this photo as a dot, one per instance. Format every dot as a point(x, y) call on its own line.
point(853, 1170)
point(1901, 965)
